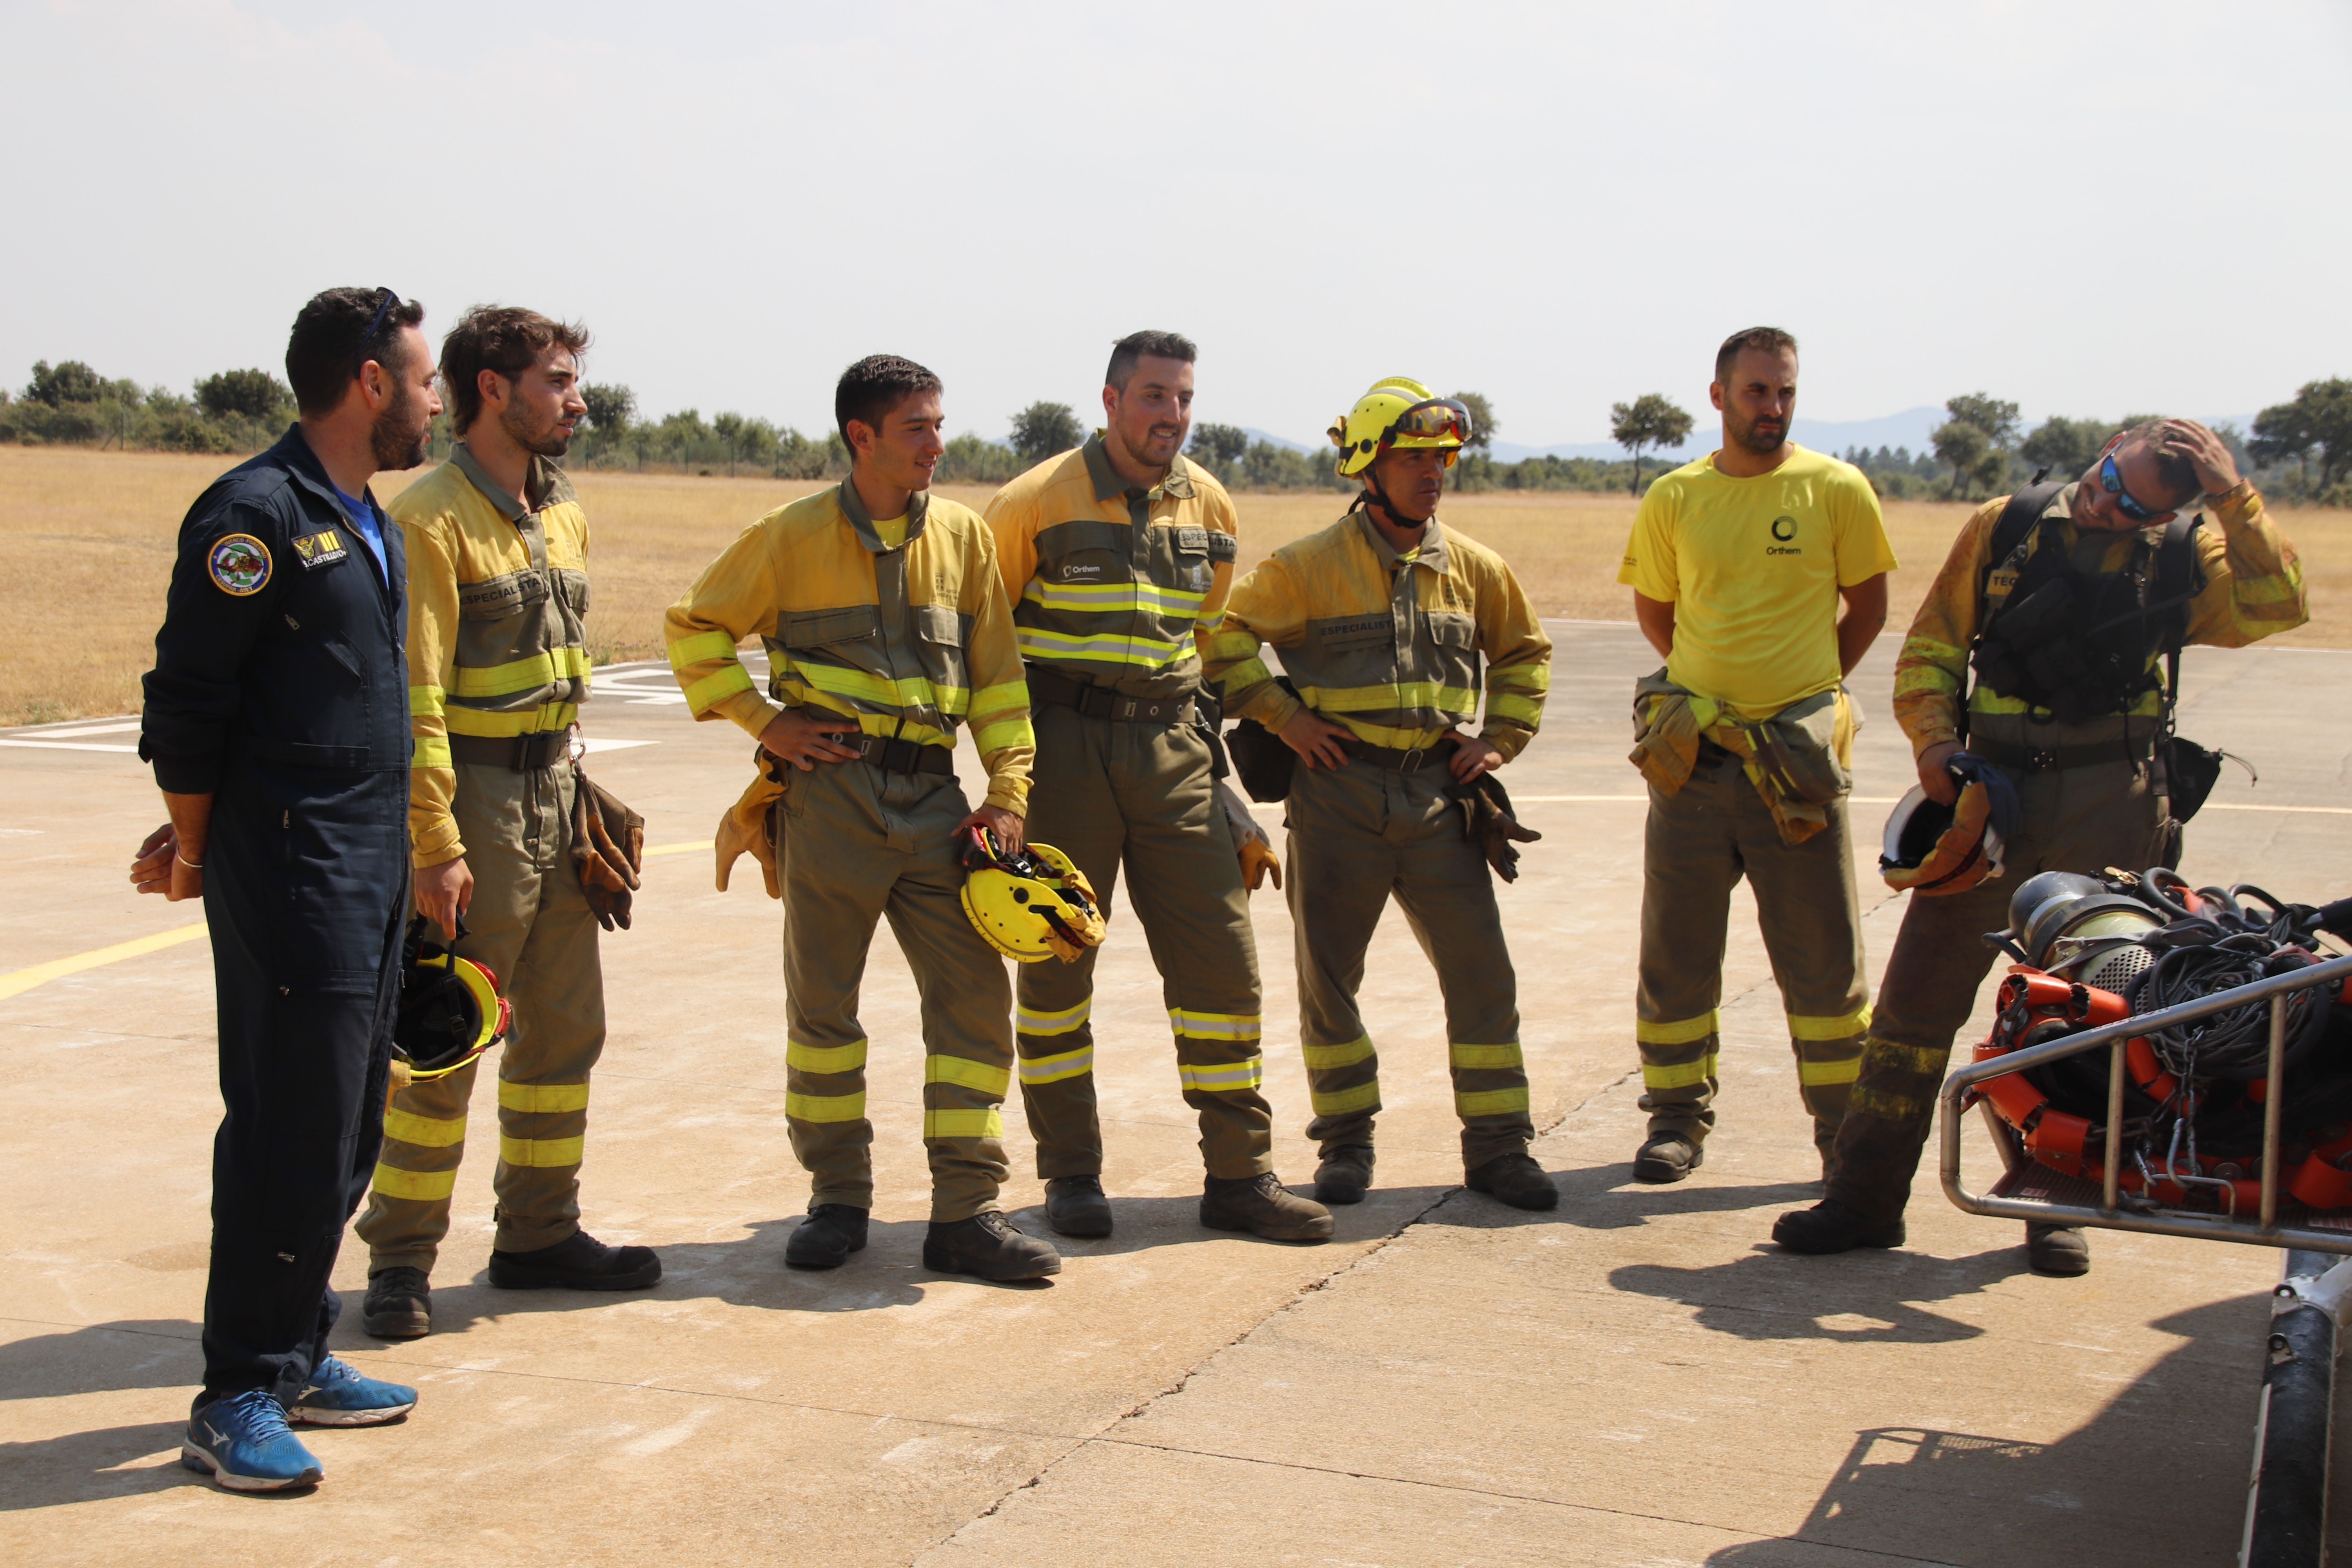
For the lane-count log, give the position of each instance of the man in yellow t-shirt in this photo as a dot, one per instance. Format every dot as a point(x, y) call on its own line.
point(1738, 563)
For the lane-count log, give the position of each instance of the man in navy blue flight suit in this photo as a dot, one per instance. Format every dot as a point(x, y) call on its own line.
point(277, 720)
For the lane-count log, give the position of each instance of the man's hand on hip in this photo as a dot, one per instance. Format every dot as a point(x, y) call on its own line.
point(444, 893)
point(806, 736)
point(1317, 739)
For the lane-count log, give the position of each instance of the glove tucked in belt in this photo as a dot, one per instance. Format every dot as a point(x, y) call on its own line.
point(608, 850)
point(1487, 820)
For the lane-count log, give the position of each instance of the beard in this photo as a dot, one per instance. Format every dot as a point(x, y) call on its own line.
point(1760, 436)
point(551, 442)
point(401, 434)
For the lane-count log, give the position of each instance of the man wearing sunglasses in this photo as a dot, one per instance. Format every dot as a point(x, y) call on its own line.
point(2067, 600)
point(277, 720)
point(1738, 564)
point(1383, 621)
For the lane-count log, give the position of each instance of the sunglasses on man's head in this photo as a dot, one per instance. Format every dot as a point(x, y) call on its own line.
point(2111, 479)
point(383, 307)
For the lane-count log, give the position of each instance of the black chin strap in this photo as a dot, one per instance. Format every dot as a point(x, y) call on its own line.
point(1396, 513)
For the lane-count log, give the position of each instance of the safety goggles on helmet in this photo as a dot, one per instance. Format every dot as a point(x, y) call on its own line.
point(450, 1009)
point(2111, 479)
point(1399, 411)
point(1438, 419)
point(1031, 906)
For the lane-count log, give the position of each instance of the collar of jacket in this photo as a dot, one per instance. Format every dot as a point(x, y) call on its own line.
point(293, 454)
point(546, 483)
point(919, 507)
point(1431, 550)
point(1177, 482)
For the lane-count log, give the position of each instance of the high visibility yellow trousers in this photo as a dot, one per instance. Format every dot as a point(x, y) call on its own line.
point(530, 926)
point(1108, 794)
point(1697, 846)
point(857, 845)
point(1359, 835)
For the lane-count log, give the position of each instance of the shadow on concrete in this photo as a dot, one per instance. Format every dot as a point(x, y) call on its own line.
point(1608, 1198)
point(88, 1467)
point(2165, 1460)
point(1858, 1297)
point(100, 1358)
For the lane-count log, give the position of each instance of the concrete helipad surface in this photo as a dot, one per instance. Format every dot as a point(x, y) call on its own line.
point(1637, 1378)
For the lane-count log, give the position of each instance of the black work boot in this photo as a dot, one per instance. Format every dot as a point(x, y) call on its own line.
point(399, 1304)
point(1263, 1206)
point(988, 1245)
point(1075, 1206)
point(1830, 1226)
point(1667, 1157)
point(1513, 1179)
point(1345, 1174)
point(2061, 1250)
point(826, 1237)
point(578, 1262)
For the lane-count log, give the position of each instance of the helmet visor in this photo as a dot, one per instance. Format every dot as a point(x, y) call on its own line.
point(1436, 419)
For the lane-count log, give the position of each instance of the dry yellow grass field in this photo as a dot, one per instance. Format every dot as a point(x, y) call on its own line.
point(88, 541)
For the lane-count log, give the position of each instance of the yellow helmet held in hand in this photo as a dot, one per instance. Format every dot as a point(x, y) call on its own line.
point(1031, 906)
point(1398, 412)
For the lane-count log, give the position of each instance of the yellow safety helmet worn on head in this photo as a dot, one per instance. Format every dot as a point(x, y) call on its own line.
point(450, 1009)
point(1398, 413)
point(1031, 906)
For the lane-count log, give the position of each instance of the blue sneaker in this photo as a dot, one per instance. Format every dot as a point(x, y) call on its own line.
point(244, 1440)
point(337, 1395)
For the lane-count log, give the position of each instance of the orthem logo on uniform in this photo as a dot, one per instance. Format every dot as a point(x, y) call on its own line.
point(1074, 570)
point(323, 548)
point(1784, 528)
point(239, 565)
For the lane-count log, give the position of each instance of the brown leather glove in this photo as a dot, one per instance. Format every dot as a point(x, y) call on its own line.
point(608, 850)
point(1486, 819)
point(1250, 841)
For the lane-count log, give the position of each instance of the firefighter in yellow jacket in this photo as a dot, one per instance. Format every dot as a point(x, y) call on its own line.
point(886, 627)
point(1381, 621)
point(497, 593)
point(2092, 787)
point(1113, 555)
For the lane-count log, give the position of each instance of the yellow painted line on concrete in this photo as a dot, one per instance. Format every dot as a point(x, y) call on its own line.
point(24, 980)
point(16, 982)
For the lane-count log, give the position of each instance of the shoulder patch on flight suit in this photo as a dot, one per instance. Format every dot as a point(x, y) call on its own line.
point(323, 548)
point(240, 564)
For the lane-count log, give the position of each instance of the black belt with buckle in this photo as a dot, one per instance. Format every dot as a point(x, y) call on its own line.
point(1102, 702)
point(2056, 759)
point(896, 756)
point(1399, 762)
point(524, 753)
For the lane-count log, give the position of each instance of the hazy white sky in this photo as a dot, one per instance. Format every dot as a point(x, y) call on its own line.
point(2088, 207)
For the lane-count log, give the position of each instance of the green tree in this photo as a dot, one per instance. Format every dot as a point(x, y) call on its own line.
point(611, 407)
point(2065, 447)
point(1042, 430)
point(1963, 448)
point(1483, 423)
point(253, 393)
point(1988, 414)
point(1219, 445)
point(1974, 443)
point(2320, 416)
point(1652, 419)
point(70, 382)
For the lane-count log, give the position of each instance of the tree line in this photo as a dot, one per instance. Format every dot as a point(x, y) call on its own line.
point(2299, 450)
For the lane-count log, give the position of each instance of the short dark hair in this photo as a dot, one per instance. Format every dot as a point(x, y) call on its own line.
point(2179, 474)
point(504, 338)
point(331, 340)
point(1764, 339)
point(876, 385)
point(1133, 348)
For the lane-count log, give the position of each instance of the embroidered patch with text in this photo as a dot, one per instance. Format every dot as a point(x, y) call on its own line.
point(323, 548)
point(240, 564)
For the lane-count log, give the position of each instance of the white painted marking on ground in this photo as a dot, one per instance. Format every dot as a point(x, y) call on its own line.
point(66, 745)
point(600, 744)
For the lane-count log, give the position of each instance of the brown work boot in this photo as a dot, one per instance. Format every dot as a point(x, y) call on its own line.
point(988, 1245)
point(2061, 1250)
point(1075, 1206)
point(1345, 1174)
point(826, 1237)
point(399, 1304)
point(1667, 1157)
point(1263, 1206)
point(1830, 1226)
point(578, 1262)
point(1513, 1179)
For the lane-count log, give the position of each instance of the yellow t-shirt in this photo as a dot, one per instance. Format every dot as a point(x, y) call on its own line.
point(892, 531)
point(1753, 569)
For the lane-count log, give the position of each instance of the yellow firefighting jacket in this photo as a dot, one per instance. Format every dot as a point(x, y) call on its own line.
point(498, 604)
point(1387, 646)
point(909, 642)
point(2254, 588)
point(1111, 584)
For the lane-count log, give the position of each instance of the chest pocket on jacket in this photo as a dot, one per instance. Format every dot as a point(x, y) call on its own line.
point(939, 642)
point(1452, 647)
point(1189, 550)
point(851, 624)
